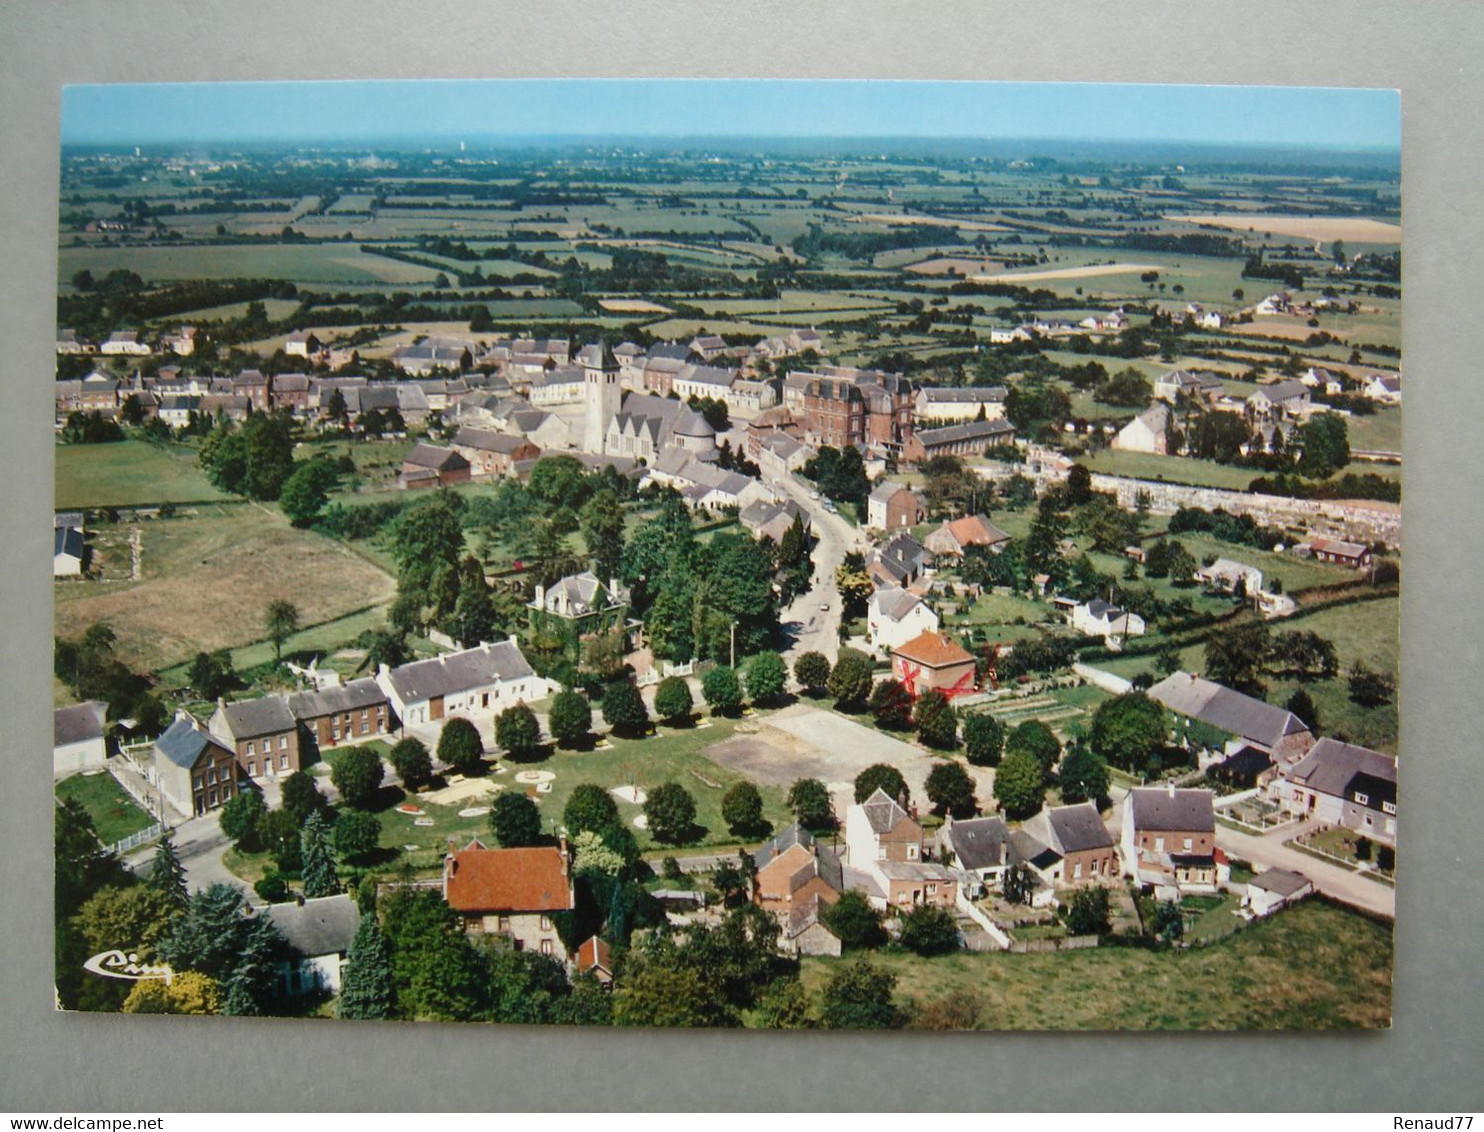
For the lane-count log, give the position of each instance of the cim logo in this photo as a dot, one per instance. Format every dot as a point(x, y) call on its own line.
point(116, 965)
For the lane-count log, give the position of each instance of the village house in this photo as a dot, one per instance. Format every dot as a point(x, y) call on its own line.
point(263, 733)
point(703, 381)
point(1283, 398)
point(1099, 618)
point(433, 355)
point(1317, 377)
point(748, 395)
point(1278, 732)
point(1079, 847)
point(594, 957)
point(492, 455)
point(890, 507)
point(933, 659)
point(1385, 388)
point(562, 385)
point(936, 405)
point(886, 842)
point(1343, 784)
point(1336, 551)
point(979, 847)
point(968, 439)
point(1274, 889)
point(583, 600)
point(803, 932)
point(956, 535)
point(290, 391)
point(300, 344)
point(183, 341)
point(794, 869)
point(1148, 432)
point(341, 713)
point(69, 343)
point(511, 892)
point(901, 562)
point(77, 738)
point(99, 393)
point(840, 406)
point(772, 519)
point(194, 772)
point(319, 932)
point(429, 466)
point(1193, 385)
point(895, 616)
point(778, 454)
point(707, 346)
point(125, 342)
point(479, 682)
point(1231, 577)
point(1169, 840)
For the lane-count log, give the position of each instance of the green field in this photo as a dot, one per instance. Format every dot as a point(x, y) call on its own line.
point(1310, 967)
point(302, 263)
point(114, 814)
point(127, 474)
point(1171, 469)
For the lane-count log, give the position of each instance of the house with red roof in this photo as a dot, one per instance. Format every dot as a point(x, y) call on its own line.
point(512, 892)
point(933, 659)
point(594, 955)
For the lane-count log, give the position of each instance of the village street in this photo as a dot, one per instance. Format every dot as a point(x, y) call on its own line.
point(1269, 852)
point(816, 629)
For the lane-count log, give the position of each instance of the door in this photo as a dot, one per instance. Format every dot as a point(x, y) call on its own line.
point(435, 708)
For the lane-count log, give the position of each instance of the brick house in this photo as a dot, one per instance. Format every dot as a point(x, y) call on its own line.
point(1343, 784)
point(885, 842)
point(263, 733)
point(1169, 839)
point(430, 466)
point(957, 535)
point(194, 772)
point(794, 869)
point(511, 892)
point(933, 659)
point(356, 710)
point(968, 439)
point(1083, 848)
point(891, 507)
point(492, 454)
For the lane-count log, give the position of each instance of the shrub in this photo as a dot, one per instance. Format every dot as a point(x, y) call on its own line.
point(272, 888)
point(812, 671)
point(673, 700)
point(356, 835)
point(850, 680)
point(241, 820)
point(460, 745)
point(671, 813)
point(891, 705)
point(1088, 912)
point(929, 930)
point(937, 721)
point(589, 808)
point(951, 790)
point(853, 921)
point(766, 677)
point(515, 821)
point(411, 761)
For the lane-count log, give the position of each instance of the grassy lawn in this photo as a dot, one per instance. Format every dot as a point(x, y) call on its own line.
point(1313, 966)
point(208, 577)
point(127, 474)
point(1171, 469)
point(1210, 918)
point(114, 813)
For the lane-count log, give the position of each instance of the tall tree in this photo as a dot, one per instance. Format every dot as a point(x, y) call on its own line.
point(1128, 729)
point(809, 800)
point(672, 700)
point(320, 877)
point(1020, 784)
point(300, 796)
point(602, 523)
point(210, 934)
point(623, 708)
point(1083, 775)
point(881, 776)
point(281, 621)
point(984, 738)
point(766, 677)
point(812, 671)
point(515, 821)
point(366, 985)
point(1035, 738)
point(166, 873)
point(517, 730)
point(460, 746)
point(671, 812)
point(1235, 657)
point(936, 720)
point(850, 679)
point(357, 773)
point(742, 809)
point(412, 762)
point(589, 808)
point(255, 973)
point(722, 689)
point(951, 790)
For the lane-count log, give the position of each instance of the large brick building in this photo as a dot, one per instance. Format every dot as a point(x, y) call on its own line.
point(841, 406)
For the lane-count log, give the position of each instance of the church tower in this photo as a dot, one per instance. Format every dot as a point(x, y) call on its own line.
point(601, 393)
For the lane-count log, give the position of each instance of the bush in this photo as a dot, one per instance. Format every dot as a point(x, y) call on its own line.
point(670, 869)
point(723, 691)
point(812, 671)
point(766, 677)
point(853, 921)
point(937, 721)
point(411, 761)
point(241, 820)
point(460, 745)
point(272, 888)
point(671, 813)
point(1088, 913)
point(891, 705)
point(570, 718)
point(742, 809)
point(623, 708)
point(672, 699)
point(517, 731)
point(929, 930)
point(984, 739)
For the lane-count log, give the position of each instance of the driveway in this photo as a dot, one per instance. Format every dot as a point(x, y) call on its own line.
point(1269, 852)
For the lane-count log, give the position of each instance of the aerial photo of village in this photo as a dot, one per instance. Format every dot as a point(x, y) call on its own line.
point(810, 577)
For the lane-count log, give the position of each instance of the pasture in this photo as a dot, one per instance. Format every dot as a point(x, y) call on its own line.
point(301, 263)
point(127, 474)
point(1322, 229)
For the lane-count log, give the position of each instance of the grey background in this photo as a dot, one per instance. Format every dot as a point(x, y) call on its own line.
point(1428, 1061)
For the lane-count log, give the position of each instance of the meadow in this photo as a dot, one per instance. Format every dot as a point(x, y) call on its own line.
point(128, 474)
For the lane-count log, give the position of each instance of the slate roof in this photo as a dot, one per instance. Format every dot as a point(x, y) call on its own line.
point(884, 491)
point(713, 376)
point(67, 540)
point(460, 671)
point(78, 723)
point(882, 813)
point(782, 841)
point(1282, 881)
point(1229, 710)
point(1331, 767)
point(972, 394)
point(323, 926)
point(1027, 849)
point(672, 351)
point(979, 843)
point(439, 459)
point(358, 694)
point(182, 743)
point(1188, 811)
point(895, 602)
point(487, 440)
point(1074, 829)
point(1284, 390)
point(480, 880)
point(247, 719)
point(970, 430)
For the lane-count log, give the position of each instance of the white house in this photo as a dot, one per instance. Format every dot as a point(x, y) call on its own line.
point(896, 616)
point(67, 552)
point(1343, 784)
point(1231, 577)
point(479, 682)
point(1098, 618)
point(1148, 432)
point(941, 405)
point(77, 738)
point(125, 342)
point(319, 933)
point(1271, 890)
point(1385, 388)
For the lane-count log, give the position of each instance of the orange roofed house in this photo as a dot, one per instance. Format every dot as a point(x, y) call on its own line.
point(511, 892)
point(933, 659)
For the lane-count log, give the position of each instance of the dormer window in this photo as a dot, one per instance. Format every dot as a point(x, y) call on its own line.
point(1363, 799)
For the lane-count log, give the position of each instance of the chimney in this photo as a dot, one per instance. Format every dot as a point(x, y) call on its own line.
point(562, 849)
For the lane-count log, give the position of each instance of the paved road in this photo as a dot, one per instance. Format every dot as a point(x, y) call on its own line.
point(815, 629)
point(1268, 851)
point(200, 844)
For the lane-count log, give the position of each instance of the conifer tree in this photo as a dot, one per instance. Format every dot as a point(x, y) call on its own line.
point(251, 983)
point(320, 877)
point(167, 874)
point(366, 989)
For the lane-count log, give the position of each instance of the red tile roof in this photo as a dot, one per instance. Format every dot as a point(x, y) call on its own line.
point(934, 649)
point(595, 952)
point(479, 880)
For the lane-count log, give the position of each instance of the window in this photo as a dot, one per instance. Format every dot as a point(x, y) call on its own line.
point(211, 775)
point(252, 770)
point(249, 746)
point(1077, 871)
point(283, 742)
point(1363, 799)
point(1388, 807)
point(504, 923)
point(283, 762)
point(1159, 844)
point(1187, 844)
point(546, 923)
point(912, 852)
point(932, 889)
point(546, 947)
point(200, 783)
point(211, 798)
point(365, 714)
point(334, 734)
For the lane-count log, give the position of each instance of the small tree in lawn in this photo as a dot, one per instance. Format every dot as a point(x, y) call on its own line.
point(742, 809)
point(357, 835)
point(812, 671)
point(623, 708)
point(1088, 912)
point(881, 776)
point(891, 705)
point(809, 800)
point(853, 921)
point(460, 746)
point(301, 796)
point(570, 718)
point(515, 821)
point(671, 813)
point(850, 680)
point(1020, 784)
point(589, 808)
point(281, 621)
point(937, 722)
point(241, 820)
point(411, 761)
point(929, 930)
point(766, 677)
point(366, 987)
point(673, 701)
point(951, 790)
point(723, 691)
point(1035, 738)
point(984, 739)
point(517, 731)
point(357, 774)
point(320, 877)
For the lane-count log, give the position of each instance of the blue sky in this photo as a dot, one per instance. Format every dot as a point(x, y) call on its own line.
point(325, 111)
